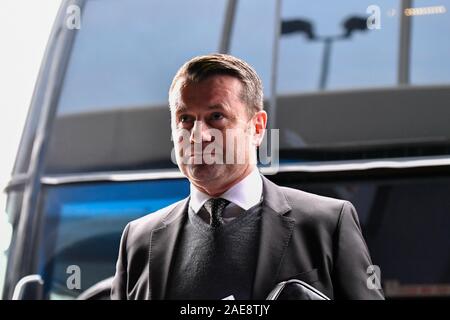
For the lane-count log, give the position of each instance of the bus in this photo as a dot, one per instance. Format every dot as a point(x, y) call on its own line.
point(360, 94)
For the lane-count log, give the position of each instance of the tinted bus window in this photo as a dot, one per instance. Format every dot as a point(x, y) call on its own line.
point(401, 220)
point(121, 54)
point(82, 225)
point(430, 45)
point(405, 223)
point(113, 111)
point(252, 37)
point(367, 58)
point(345, 103)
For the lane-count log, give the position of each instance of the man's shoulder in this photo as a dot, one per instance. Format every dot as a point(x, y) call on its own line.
point(313, 206)
point(154, 220)
point(297, 197)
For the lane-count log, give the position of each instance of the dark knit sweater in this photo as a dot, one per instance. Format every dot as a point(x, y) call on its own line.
point(214, 264)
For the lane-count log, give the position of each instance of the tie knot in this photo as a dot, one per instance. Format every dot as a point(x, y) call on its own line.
point(215, 207)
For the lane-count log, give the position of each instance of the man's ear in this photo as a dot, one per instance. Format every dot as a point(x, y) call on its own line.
point(259, 122)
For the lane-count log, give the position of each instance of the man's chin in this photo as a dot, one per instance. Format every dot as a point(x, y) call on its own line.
point(204, 172)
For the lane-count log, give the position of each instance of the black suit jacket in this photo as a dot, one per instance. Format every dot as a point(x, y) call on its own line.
point(303, 236)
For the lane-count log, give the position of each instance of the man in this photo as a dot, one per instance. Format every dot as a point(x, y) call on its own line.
point(237, 234)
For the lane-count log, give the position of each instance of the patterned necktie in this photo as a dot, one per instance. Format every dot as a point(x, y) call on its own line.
point(215, 207)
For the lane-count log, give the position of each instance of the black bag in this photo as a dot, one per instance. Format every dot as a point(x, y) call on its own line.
point(295, 289)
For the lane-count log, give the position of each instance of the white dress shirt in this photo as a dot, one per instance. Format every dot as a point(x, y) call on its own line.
point(242, 196)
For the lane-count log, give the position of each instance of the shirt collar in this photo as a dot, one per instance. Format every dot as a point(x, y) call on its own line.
point(245, 194)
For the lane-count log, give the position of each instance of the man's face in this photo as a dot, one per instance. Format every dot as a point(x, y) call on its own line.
point(214, 137)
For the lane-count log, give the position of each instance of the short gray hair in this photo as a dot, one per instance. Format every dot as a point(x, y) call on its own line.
point(201, 67)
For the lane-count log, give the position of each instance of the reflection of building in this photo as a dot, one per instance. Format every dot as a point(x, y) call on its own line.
point(97, 137)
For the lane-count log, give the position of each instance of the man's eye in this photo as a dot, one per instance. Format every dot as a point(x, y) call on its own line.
point(184, 118)
point(216, 116)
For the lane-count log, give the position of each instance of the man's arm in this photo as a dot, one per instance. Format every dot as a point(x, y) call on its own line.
point(351, 259)
point(119, 285)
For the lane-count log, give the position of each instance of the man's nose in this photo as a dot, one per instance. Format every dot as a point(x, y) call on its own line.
point(200, 132)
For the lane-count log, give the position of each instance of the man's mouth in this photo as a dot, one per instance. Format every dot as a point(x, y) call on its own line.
point(208, 158)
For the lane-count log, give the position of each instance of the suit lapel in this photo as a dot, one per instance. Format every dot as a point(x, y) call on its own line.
point(275, 235)
point(162, 246)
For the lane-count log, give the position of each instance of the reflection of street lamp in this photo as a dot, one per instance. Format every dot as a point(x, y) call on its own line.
point(354, 24)
point(297, 25)
point(303, 26)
